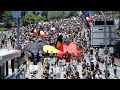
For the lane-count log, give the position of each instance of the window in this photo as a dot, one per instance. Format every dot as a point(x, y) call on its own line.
point(102, 22)
point(100, 29)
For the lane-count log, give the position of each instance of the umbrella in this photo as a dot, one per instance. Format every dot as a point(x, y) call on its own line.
point(50, 49)
point(41, 44)
point(35, 46)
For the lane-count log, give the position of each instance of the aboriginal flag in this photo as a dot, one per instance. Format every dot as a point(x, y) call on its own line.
point(35, 31)
point(41, 33)
point(59, 44)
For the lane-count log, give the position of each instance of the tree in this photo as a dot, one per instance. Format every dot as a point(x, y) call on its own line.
point(1, 15)
point(7, 18)
point(95, 12)
point(34, 12)
point(29, 18)
point(45, 14)
point(72, 13)
point(56, 15)
point(23, 13)
point(40, 18)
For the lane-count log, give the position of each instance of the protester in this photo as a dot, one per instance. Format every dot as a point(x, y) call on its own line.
point(67, 66)
point(115, 70)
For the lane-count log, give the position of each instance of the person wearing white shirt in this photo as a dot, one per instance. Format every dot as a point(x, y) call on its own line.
point(59, 63)
point(63, 62)
point(58, 72)
point(96, 76)
point(75, 63)
point(55, 76)
point(64, 67)
point(50, 71)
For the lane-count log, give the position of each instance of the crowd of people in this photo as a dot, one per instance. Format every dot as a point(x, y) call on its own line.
point(61, 70)
point(73, 30)
point(3, 40)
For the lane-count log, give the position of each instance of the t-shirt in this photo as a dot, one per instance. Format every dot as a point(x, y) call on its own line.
point(63, 61)
point(55, 76)
point(60, 62)
point(96, 76)
point(64, 68)
point(75, 62)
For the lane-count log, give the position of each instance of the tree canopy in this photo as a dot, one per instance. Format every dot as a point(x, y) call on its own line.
point(7, 18)
point(45, 15)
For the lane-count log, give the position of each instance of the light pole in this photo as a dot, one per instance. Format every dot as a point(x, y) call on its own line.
point(17, 43)
point(17, 30)
point(105, 42)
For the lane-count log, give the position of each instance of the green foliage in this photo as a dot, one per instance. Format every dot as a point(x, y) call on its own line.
point(7, 18)
point(34, 12)
point(45, 15)
point(2, 26)
point(72, 13)
point(29, 19)
point(118, 32)
point(95, 12)
point(23, 13)
point(55, 15)
point(40, 18)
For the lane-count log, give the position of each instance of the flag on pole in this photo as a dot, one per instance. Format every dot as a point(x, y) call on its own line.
point(59, 44)
point(83, 18)
point(41, 34)
point(35, 31)
point(88, 17)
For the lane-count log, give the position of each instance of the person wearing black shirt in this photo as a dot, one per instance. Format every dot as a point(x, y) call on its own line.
point(77, 73)
point(47, 54)
point(83, 66)
point(97, 66)
point(92, 66)
point(91, 51)
point(94, 73)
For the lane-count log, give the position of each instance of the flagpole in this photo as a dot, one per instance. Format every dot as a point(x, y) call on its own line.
point(17, 43)
point(17, 30)
point(105, 42)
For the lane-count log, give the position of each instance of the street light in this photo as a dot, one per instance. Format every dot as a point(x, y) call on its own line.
point(17, 43)
point(105, 42)
point(17, 30)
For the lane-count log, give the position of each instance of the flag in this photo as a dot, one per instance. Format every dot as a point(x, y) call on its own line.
point(40, 29)
point(59, 44)
point(35, 31)
point(83, 18)
point(41, 33)
point(88, 18)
